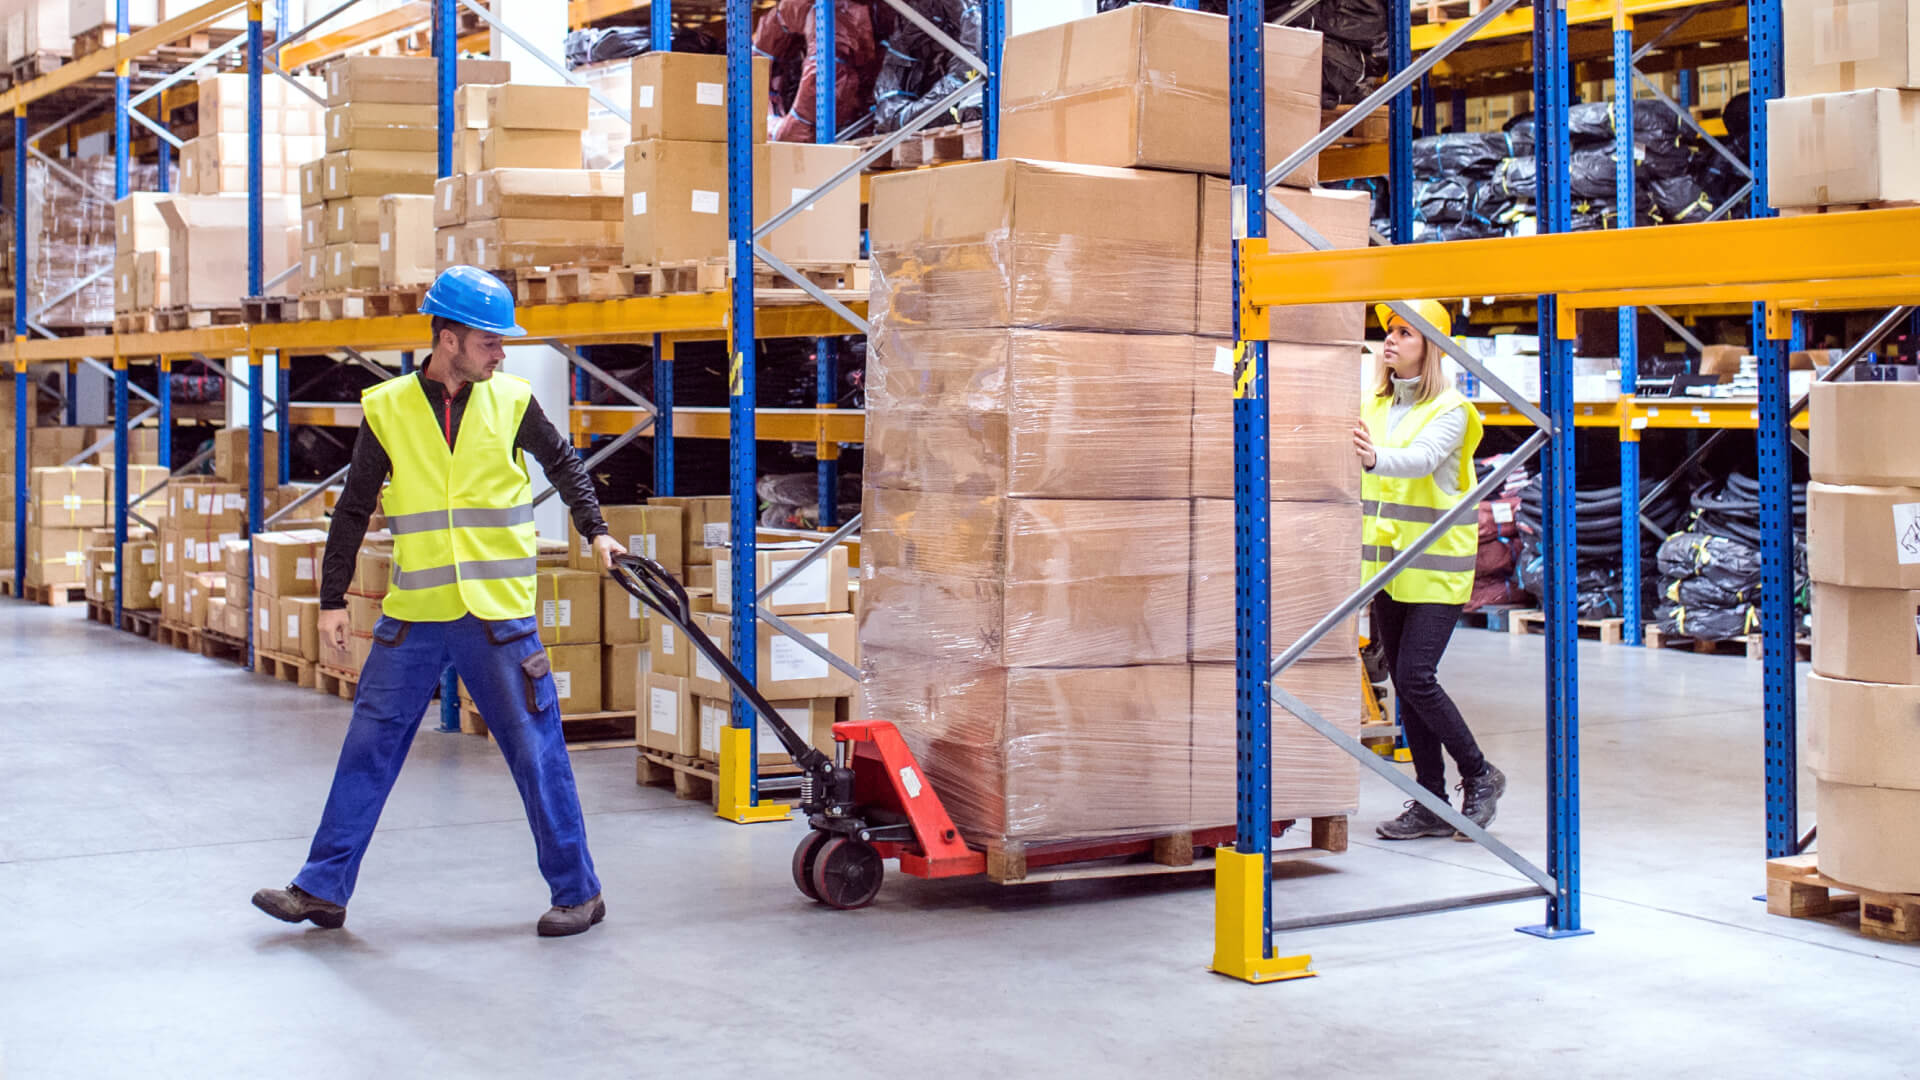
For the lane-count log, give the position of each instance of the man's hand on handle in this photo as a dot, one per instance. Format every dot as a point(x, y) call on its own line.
point(333, 628)
point(606, 547)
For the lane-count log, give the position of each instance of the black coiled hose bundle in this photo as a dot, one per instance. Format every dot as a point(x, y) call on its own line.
point(1710, 584)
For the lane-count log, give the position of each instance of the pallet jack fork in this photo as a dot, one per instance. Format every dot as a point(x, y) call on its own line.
point(868, 803)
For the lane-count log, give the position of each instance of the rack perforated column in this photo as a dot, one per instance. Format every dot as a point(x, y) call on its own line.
point(1624, 197)
point(826, 350)
point(742, 451)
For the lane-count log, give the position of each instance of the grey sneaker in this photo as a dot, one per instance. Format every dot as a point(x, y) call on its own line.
point(294, 904)
point(567, 921)
point(1482, 797)
point(1416, 822)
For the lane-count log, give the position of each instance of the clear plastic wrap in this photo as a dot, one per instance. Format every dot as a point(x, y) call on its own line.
point(970, 579)
point(1339, 216)
point(1315, 565)
point(1046, 413)
point(70, 237)
point(1315, 393)
point(1311, 776)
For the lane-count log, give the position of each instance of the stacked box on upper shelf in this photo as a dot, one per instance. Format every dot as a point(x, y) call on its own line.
point(1848, 131)
point(215, 160)
point(521, 200)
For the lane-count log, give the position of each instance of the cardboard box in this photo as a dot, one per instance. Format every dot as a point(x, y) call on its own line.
point(1862, 433)
point(812, 720)
point(715, 713)
point(1340, 216)
point(1722, 360)
point(568, 603)
point(515, 148)
point(313, 185)
point(1311, 776)
point(230, 456)
point(1027, 243)
point(152, 271)
point(668, 650)
point(1856, 147)
point(510, 243)
point(529, 106)
point(352, 221)
point(1309, 427)
point(1147, 86)
point(288, 563)
point(704, 521)
point(199, 589)
point(466, 151)
point(207, 246)
point(125, 283)
point(1867, 537)
point(1866, 634)
point(1043, 413)
point(820, 587)
point(348, 173)
point(576, 677)
point(139, 567)
point(1864, 733)
point(1866, 835)
point(372, 569)
point(67, 498)
point(470, 106)
point(651, 531)
point(667, 723)
point(622, 615)
point(1836, 45)
point(406, 239)
point(828, 231)
point(1311, 574)
point(619, 666)
point(676, 195)
point(546, 194)
point(450, 201)
point(401, 80)
point(362, 613)
point(352, 266)
point(381, 126)
point(138, 225)
point(683, 96)
point(786, 670)
point(297, 626)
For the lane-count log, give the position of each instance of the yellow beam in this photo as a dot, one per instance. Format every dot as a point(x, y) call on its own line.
point(1518, 21)
point(323, 46)
point(131, 47)
point(770, 425)
point(1351, 163)
point(586, 12)
point(1674, 413)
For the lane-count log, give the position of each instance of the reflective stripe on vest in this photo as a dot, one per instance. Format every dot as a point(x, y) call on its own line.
point(1400, 511)
point(462, 516)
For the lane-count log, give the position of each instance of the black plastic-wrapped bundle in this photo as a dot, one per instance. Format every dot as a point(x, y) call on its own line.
point(1592, 173)
point(1590, 123)
point(1461, 153)
point(1731, 566)
point(1519, 133)
point(1708, 623)
point(1442, 200)
point(1362, 22)
point(1495, 205)
point(1679, 199)
point(1515, 177)
point(918, 71)
point(1344, 75)
point(1427, 232)
point(593, 46)
point(1593, 214)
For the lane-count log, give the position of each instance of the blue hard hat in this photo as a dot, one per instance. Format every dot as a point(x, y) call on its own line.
point(472, 297)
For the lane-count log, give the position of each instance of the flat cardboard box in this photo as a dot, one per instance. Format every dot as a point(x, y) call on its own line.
point(351, 221)
point(785, 670)
point(288, 563)
point(401, 80)
point(1867, 634)
point(230, 455)
point(207, 246)
point(313, 183)
point(668, 650)
point(703, 524)
point(1856, 147)
point(381, 126)
point(1039, 413)
point(1025, 582)
point(511, 243)
point(619, 666)
point(348, 173)
point(1309, 427)
point(545, 193)
point(371, 570)
point(450, 201)
point(1864, 733)
point(1836, 45)
point(715, 713)
point(1340, 216)
point(297, 626)
point(151, 273)
point(1722, 360)
point(1862, 433)
point(516, 148)
point(362, 613)
point(529, 106)
point(67, 497)
point(1311, 776)
point(1867, 835)
point(1312, 573)
point(576, 677)
point(668, 724)
point(1147, 87)
point(622, 616)
point(683, 96)
point(466, 151)
point(828, 230)
point(470, 106)
point(1867, 537)
point(676, 196)
point(56, 556)
point(819, 588)
point(701, 577)
point(138, 225)
point(568, 605)
point(406, 239)
point(352, 266)
point(1028, 243)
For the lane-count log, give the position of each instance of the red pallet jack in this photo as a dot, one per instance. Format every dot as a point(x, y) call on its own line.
point(867, 804)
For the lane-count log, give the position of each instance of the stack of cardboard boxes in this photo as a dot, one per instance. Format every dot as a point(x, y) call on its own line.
point(64, 505)
point(1047, 548)
point(381, 139)
point(372, 569)
point(286, 592)
point(1863, 554)
point(214, 162)
point(1848, 130)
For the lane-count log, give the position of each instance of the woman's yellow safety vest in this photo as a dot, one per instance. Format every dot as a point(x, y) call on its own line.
point(461, 517)
point(1398, 511)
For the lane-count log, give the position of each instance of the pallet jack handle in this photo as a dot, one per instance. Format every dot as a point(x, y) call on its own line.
point(652, 585)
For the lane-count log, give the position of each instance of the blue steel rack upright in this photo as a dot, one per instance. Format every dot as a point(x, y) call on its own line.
point(660, 37)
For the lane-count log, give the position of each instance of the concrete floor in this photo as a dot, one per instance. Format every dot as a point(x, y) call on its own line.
point(145, 794)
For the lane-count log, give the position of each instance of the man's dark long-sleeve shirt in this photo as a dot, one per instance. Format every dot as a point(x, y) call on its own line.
point(371, 466)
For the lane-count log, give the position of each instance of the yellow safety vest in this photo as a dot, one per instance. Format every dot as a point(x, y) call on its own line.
point(461, 517)
point(1398, 511)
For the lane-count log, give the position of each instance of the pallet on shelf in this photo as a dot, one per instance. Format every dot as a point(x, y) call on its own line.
point(1172, 853)
point(88, 42)
point(188, 317)
point(1752, 646)
point(1373, 128)
point(55, 595)
point(1495, 617)
point(1798, 890)
point(333, 305)
point(583, 731)
point(569, 284)
point(6, 584)
point(1429, 12)
point(269, 309)
point(1844, 208)
point(1534, 621)
point(34, 65)
point(339, 682)
point(929, 146)
point(135, 322)
point(699, 276)
point(284, 667)
point(393, 300)
point(99, 612)
point(853, 276)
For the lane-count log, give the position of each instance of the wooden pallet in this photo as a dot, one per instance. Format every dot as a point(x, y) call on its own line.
point(1534, 621)
point(336, 304)
point(1798, 890)
point(929, 146)
point(146, 624)
point(339, 682)
point(135, 322)
point(284, 667)
point(177, 635)
point(56, 595)
point(1374, 128)
point(269, 309)
point(1752, 646)
point(1173, 853)
point(33, 66)
point(832, 276)
point(196, 318)
point(215, 645)
point(1429, 12)
point(88, 42)
point(702, 276)
point(6, 584)
point(99, 612)
point(583, 731)
point(394, 300)
point(690, 778)
point(1497, 617)
point(569, 284)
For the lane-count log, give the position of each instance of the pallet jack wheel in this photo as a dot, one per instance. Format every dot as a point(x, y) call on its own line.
point(804, 857)
point(846, 873)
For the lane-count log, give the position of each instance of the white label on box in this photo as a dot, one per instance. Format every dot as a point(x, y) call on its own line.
point(303, 568)
point(809, 586)
point(69, 502)
point(386, 241)
point(339, 262)
point(76, 558)
point(206, 505)
point(449, 247)
point(333, 176)
point(170, 598)
point(1906, 533)
point(713, 717)
point(566, 613)
point(563, 684)
point(1502, 513)
point(799, 194)
point(236, 500)
point(480, 189)
point(187, 601)
point(313, 267)
point(706, 202)
point(792, 662)
point(714, 535)
point(633, 607)
point(1223, 359)
point(333, 81)
point(546, 613)
point(340, 220)
point(480, 250)
point(337, 117)
point(293, 627)
point(639, 203)
point(169, 553)
point(709, 93)
point(704, 669)
point(446, 197)
point(126, 284)
point(663, 710)
point(261, 563)
point(646, 96)
point(313, 235)
point(309, 175)
point(146, 557)
point(666, 639)
point(723, 580)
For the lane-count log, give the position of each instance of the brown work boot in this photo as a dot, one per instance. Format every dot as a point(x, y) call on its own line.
point(294, 904)
point(567, 921)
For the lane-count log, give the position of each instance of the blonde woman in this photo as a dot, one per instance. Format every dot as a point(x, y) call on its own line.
point(1416, 441)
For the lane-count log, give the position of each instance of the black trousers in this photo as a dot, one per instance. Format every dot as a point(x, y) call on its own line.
point(1414, 636)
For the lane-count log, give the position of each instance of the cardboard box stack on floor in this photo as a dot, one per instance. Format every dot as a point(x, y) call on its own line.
point(1049, 451)
point(381, 131)
point(1863, 554)
point(1848, 130)
point(286, 591)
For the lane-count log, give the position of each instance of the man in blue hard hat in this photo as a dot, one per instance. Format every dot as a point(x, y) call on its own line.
point(449, 445)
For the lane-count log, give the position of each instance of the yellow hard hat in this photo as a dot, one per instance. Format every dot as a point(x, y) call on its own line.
point(1431, 310)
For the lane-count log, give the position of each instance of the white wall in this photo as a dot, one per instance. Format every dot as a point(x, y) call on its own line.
point(548, 371)
point(542, 22)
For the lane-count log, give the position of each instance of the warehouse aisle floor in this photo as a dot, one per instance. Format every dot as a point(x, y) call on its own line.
point(145, 794)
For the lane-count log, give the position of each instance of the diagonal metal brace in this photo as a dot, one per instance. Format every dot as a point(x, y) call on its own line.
point(783, 626)
point(793, 569)
point(808, 287)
